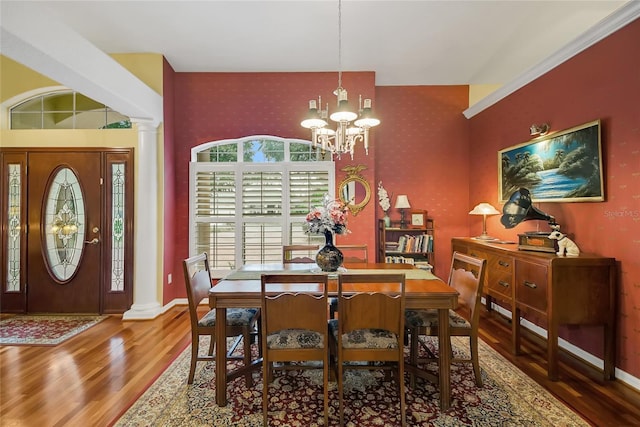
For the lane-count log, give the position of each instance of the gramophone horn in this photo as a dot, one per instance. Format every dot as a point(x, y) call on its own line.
point(519, 208)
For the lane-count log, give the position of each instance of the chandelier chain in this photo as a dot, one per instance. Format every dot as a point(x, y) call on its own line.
point(351, 127)
point(339, 43)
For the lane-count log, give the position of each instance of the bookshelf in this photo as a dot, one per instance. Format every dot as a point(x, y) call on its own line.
point(407, 245)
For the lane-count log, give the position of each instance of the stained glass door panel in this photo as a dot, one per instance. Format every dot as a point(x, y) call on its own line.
point(64, 238)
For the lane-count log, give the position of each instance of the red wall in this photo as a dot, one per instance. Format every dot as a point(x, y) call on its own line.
point(602, 82)
point(215, 106)
point(423, 152)
point(171, 265)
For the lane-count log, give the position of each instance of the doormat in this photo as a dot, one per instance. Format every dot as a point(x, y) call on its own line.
point(44, 330)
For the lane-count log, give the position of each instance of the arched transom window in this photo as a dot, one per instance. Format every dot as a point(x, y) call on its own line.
point(65, 110)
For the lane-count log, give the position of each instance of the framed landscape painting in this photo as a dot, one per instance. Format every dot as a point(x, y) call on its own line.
point(564, 166)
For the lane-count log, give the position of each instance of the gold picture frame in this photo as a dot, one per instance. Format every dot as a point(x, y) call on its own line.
point(563, 166)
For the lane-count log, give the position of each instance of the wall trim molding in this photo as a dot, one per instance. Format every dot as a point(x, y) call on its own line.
point(620, 375)
point(612, 23)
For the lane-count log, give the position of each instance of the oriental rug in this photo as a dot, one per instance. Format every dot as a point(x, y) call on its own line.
point(508, 398)
point(44, 330)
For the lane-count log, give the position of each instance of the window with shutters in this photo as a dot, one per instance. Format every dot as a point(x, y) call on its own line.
point(250, 196)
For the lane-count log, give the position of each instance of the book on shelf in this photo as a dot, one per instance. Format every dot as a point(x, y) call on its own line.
point(398, 260)
point(413, 243)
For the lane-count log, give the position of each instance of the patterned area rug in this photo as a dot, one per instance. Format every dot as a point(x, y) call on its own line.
point(508, 398)
point(44, 330)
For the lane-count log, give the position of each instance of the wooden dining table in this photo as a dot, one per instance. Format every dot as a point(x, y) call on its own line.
point(422, 291)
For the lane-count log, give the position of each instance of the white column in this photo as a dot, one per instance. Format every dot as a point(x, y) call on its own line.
point(146, 283)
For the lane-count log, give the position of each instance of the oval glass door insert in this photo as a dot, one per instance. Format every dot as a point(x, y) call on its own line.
point(64, 225)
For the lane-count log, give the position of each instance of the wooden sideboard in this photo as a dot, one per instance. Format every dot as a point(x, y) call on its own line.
point(562, 290)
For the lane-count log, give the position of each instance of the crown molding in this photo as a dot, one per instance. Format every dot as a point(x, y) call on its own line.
point(612, 23)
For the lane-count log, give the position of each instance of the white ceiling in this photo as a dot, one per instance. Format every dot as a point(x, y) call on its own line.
point(404, 42)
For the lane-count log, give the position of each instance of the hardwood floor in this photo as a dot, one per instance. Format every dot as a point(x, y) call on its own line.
point(92, 378)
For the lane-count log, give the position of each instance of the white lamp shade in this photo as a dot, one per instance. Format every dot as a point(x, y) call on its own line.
point(484, 209)
point(402, 202)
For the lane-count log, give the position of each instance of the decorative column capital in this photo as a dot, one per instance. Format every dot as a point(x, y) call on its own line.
point(145, 125)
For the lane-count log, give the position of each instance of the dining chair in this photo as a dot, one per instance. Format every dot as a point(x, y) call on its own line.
point(369, 328)
point(299, 254)
point(467, 277)
point(241, 322)
point(354, 253)
point(294, 328)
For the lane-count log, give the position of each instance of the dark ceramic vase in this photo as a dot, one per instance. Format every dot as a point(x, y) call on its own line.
point(329, 258)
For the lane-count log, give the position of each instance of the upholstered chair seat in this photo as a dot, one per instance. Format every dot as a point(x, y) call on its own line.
point(429, 319)
point(365, 338)
point(295, 338)
point(235, 317)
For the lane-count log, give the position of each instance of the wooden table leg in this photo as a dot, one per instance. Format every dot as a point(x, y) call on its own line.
point(444, 355)
point(221, 356)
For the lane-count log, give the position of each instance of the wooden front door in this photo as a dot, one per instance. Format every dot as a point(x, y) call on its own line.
point(65, 243)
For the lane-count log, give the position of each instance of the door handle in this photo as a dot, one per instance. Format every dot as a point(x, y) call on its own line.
point(93, 241)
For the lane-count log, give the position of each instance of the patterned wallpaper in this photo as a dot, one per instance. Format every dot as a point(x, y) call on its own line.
point(603, 83)
point(446, 164)
point(422, 151)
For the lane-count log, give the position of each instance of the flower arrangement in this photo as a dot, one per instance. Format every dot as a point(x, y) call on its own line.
point(383, 198)
point(331, 217)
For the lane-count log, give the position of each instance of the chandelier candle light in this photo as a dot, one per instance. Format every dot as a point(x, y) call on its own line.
point(345, 137)
point(484, 209)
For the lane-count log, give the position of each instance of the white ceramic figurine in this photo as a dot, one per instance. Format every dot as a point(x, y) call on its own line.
point(565, 245)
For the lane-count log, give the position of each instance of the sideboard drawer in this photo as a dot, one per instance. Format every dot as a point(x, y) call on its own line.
point(501, 263)
point(474, 252)
point(500, 276)
point(531, 285)
point(499, 283)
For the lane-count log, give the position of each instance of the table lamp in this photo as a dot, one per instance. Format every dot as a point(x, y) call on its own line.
point(402, 203)
point(484, 209)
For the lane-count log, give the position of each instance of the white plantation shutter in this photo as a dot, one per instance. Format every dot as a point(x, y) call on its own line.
point(307, 189)
point(242, 212)
point(215, 193)
point(262, 193)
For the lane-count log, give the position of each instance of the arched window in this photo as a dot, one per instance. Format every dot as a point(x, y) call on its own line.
point(65, 110)
point(250, 196)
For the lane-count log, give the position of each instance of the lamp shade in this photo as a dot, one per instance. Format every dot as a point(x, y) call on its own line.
point(484, 209)
point(402, 202)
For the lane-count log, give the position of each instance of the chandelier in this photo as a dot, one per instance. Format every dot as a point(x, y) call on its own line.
point(344, 138)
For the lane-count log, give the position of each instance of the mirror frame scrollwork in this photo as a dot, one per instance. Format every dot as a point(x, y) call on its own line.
point(354, 175)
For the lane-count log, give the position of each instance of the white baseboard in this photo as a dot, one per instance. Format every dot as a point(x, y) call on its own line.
point(621, 375)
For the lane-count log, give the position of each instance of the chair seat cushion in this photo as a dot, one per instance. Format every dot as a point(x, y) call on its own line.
point(429, 318)
point(295, 338)
point(235, 317)
point(365, 338)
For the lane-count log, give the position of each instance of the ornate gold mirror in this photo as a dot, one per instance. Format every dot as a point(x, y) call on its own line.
point(354, 190)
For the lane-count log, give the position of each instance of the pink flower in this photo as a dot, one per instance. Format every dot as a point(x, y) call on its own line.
point(330, 217)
